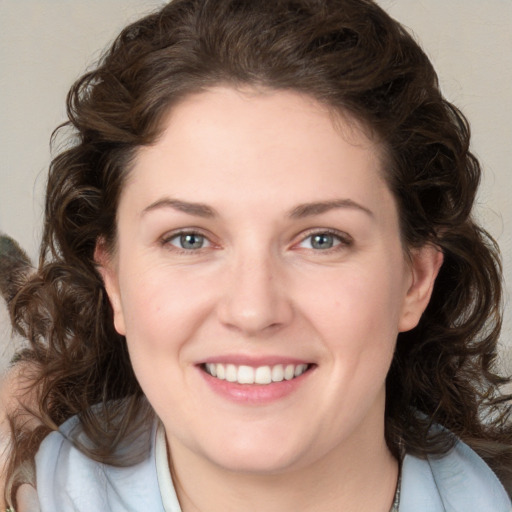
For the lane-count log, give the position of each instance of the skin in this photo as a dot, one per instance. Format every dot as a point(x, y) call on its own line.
point(257, 288)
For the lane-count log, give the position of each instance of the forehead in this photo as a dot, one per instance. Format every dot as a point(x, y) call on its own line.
point(257, 145)
point(286, 112)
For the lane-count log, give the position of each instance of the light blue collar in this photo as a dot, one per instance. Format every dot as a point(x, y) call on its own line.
point(459, 481)
point(68, 481)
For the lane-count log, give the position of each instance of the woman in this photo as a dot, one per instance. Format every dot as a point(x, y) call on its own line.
point(260, 285)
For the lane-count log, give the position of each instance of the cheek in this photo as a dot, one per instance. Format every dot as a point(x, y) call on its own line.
point(355, 315)
point(161, 307)
point(355, 302)
point(160, 317)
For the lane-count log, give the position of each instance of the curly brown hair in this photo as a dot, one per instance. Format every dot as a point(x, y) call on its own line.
point(356, 59)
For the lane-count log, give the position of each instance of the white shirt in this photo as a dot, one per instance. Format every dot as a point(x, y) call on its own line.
point(69, 481)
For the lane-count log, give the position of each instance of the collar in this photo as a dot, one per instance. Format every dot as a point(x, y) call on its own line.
point(459, 481)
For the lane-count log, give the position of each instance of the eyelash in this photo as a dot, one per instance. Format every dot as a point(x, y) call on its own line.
point(343, 240)
point(167, 239)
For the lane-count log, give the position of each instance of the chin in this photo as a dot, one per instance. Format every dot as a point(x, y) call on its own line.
point(270, 457)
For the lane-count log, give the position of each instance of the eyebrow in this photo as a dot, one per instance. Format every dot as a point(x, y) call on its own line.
point(196, 209)
point(299, 212)
point(317, 208)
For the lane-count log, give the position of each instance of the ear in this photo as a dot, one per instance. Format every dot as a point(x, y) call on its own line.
point(107, 268)
point(425, 264)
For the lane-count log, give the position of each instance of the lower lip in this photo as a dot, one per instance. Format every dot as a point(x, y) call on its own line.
point(254, 393)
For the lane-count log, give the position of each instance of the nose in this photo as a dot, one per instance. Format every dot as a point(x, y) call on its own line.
point(255, 300)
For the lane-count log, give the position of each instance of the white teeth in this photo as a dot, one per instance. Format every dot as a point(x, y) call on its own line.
point(221, 371)
point(212, 369)
point(300, 369)
point(261, 375)
point(277, 373)
point(245, 375)
point(289, 372)
point(231, 373)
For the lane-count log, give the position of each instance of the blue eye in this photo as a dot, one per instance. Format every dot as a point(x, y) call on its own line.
point(189, 241)
point(323, 241)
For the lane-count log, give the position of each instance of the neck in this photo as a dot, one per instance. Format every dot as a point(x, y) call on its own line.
point(359, 475)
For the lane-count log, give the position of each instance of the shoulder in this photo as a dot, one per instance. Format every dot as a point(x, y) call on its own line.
point(459, 481)
point(69, 481)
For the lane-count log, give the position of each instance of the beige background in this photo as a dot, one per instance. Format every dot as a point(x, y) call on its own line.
point(46, 44)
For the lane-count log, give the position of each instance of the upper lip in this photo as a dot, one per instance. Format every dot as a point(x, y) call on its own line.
point(254, 361)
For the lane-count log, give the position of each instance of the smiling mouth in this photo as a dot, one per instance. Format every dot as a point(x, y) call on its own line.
point(242, 374)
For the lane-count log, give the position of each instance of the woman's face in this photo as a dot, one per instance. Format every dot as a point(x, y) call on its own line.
point(261, 281)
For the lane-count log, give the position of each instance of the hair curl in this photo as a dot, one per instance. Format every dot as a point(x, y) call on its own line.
point(353, 57)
